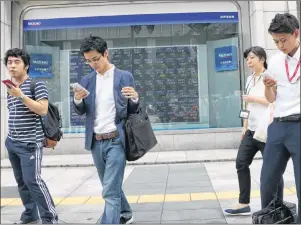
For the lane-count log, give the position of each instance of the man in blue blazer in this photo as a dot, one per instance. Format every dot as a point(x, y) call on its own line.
point(107, 96)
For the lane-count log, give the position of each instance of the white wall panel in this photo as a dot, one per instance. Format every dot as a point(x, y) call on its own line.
point(127, 9)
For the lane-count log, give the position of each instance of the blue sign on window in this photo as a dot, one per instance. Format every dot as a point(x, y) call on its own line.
point(226, 58)
point(40, 65)
point(130, 20)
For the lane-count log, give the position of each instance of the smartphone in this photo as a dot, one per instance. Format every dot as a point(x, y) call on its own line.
point(265, 75)
point(78, 86)
point(8, 83)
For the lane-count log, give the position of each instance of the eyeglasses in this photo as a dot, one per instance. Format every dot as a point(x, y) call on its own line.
point(93, 60)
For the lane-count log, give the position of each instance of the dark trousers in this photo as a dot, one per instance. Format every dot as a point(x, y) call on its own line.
point(283, 142)
point(25, 159)
point(247, 150)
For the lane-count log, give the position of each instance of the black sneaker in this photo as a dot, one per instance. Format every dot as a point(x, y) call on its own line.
point(245, 211)
point(22, 222)
point(126, 220)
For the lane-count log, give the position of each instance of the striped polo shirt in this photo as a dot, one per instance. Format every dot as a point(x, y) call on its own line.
point(23, 124)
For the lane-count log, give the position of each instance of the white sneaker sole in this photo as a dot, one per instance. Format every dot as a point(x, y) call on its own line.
point(33, 222)
point(130, 221)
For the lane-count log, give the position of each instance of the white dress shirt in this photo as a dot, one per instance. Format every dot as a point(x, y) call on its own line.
point(104, 103)
point(288, 94)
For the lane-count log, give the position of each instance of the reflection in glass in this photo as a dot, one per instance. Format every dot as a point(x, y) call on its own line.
point(182, 72)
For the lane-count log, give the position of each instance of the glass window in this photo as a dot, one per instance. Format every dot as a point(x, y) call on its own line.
point(186, 66)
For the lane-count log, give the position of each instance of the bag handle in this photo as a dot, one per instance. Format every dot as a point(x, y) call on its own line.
point(283, 207)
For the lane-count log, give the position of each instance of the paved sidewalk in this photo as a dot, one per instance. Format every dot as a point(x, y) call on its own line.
point(166, 193)
point(151, 158)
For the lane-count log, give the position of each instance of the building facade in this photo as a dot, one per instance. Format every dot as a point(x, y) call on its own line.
point(186, 57)
point(299, 9)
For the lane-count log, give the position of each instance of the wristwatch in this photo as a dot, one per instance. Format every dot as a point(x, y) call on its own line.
point(21, 98)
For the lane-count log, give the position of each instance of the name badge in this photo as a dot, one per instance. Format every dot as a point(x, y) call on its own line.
point(244, 114)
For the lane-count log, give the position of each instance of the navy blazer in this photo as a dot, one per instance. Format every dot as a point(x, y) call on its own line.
point(123, 105)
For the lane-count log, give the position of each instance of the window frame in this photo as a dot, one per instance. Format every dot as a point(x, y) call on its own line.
point(244, 29)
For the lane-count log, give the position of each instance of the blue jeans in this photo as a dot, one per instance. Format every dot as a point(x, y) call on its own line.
point(109, 159)
point(283, 142)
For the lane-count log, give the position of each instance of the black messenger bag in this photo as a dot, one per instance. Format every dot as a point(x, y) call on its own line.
point(139, 135)
point(277, 212)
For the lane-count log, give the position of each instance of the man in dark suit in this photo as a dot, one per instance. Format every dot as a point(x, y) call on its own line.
point(107, 96)
point(282, 86)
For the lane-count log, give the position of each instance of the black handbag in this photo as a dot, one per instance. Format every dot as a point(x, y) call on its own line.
point(139, 135)
point(277, 212)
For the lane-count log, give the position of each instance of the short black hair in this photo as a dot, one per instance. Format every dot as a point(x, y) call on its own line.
point(92, 43)
point(18, 53)
point(284, 23)
point(258, 51)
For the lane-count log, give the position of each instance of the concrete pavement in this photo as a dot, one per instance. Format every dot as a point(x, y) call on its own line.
point(166, 193)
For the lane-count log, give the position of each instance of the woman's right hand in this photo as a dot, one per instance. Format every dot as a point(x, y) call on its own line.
point(243, 132)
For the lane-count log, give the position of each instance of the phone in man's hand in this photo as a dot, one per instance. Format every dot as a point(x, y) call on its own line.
point(265, 75)
point(79, 87)
point(8, 83)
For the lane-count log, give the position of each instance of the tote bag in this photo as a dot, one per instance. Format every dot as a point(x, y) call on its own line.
point(139, 135)
point(261, 132)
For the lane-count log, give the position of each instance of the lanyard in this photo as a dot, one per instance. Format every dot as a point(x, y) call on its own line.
point(248, 91)
point(294, 74)
point(252, 79)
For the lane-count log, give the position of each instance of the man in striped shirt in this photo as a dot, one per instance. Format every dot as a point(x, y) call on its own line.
point(25, 139)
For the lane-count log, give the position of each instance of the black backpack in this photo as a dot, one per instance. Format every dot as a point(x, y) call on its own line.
point(51, 123)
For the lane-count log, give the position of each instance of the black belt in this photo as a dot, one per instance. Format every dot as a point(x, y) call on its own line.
point(291, 118)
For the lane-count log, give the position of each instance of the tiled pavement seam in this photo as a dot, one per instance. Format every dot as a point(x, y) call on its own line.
point(151, 158)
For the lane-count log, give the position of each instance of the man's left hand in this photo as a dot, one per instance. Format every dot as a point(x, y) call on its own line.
point(15, 91)
point(129, 92)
